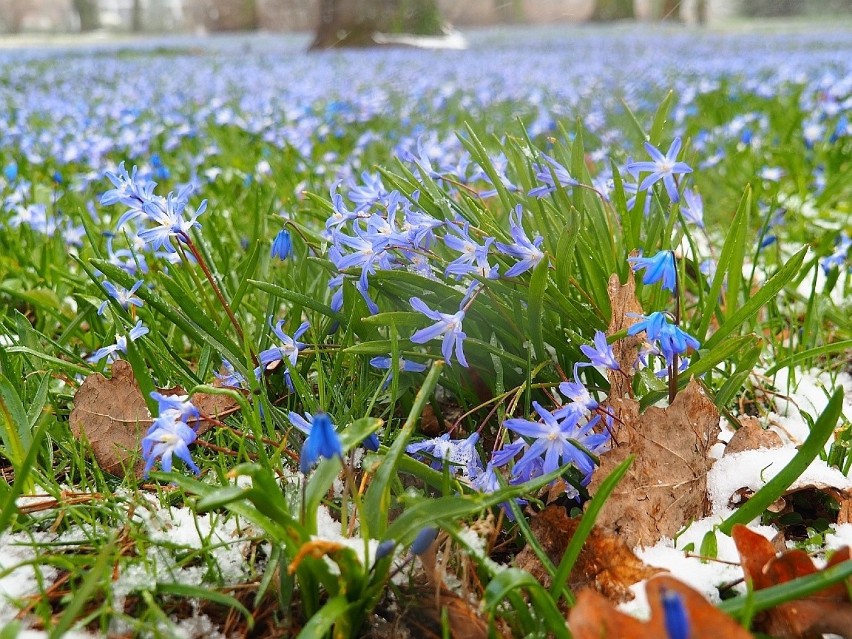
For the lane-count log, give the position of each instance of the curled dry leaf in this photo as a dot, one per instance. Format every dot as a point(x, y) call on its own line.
point(111, 414)
point(605, 562)
point(423, 618)
point(826, 611)
point(595, 617)
point(752, 436)
point(625, 307)
point(666, 486)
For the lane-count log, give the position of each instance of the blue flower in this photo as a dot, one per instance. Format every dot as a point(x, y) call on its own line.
point(385, 363)
point(290, 346)
point(661, 267)
point(282, 245)
point(322, 440)
point(675, 615)
point(459, 454)
point(447, 326)
point(672, 340)
point(669, 338)
point(230, 377)
point(474, 256)
point(123, 296)
point(112, 351)
point(529, 253)
point(693, 209)
point(652, 324)
point(663, 167)
point(554, 441)
point(601, 354)
point(546, 175)
point(424, 540)
point(170, 433)
point(578, 394)
point(841, 252)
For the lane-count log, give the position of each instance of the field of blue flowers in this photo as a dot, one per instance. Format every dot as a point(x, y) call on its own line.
point(315, 345)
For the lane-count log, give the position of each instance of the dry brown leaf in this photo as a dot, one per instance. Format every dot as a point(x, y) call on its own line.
point(595, 617)
point(666, 486)
point(622, 298)
point(423, 618)
point(826, 611)
point(605, 562)
point(112, 416)
point(752, 436)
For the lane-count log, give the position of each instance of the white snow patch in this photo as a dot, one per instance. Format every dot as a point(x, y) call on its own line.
point(328, 529)
point(754, 468)
point(807, 392)
point(840, 535)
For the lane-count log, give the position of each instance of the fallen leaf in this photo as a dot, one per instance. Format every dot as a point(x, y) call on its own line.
point(595, 617)
point(666, 486)
point(625, 309)
point(111, 414)
point(605, 562)
point(424, 619)
point(752, 436)
point(826, 611)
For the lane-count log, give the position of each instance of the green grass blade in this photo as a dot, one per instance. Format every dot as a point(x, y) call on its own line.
point(768, 291)
point(512, 580)
point(14, 423)
point(378, 497)
point(735, 235)
point(200, 592)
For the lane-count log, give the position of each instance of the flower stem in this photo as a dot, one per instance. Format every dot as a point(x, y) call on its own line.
point(673, 367)
point(218, 291)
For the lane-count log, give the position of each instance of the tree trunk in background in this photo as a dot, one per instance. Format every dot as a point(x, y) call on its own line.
point(89, 14)
point(670, 10)
point(136, 17)
point(12, 14)
point(351, 23)
point(606, 10)
point(701, 12)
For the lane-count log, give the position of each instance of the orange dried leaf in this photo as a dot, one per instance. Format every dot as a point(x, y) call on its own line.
point(595, 617)
point(605, 562)
point(826, 611)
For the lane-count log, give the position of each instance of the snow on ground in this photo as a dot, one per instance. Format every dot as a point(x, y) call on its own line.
point(171, 532)
point(807, 393)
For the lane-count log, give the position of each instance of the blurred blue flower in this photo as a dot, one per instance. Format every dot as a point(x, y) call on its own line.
point(693, 208)
point(424, 540)
point(112, 351)
point(546, 174)
point(405, 365)
point(675, 615)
